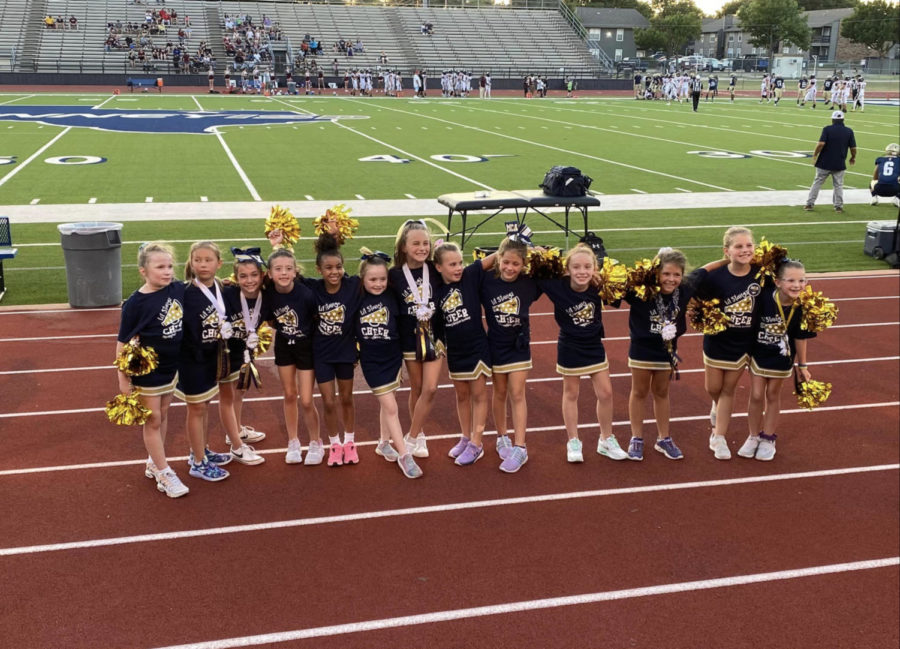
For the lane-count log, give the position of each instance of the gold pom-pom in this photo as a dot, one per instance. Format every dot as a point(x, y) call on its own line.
point(707, 317)
point(127, 410)
point(643, 278)
point(811, 394)
point(613, 280)
point(339, 214)
point(544, 263)
point(136, 360)
point(266, 336)
point(767, 256)
point(281, 218)
point(819, 312)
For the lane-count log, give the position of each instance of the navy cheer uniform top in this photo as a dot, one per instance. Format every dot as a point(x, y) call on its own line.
point(378, 334)
point(737, 298)
point(579, 316)
point(459, 310)
point(506, 307)
point(158, 318)
point(292, 314)
point(333, 340)
point(397, 282)
point(768, 351)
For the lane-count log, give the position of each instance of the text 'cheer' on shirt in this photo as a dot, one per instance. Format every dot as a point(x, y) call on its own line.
point(506, 305)
point(459, 307)
point(578, 314)
point(292, 314)
point(158, 319)
point(201, 324)
point(333, 340)
point(737, 298)
point(772, 329)
point(405, 300)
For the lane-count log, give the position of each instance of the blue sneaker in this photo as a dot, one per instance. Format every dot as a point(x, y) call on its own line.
point(218, 458)
point(667, 447)
point(470, 455)
point(208, 471)
point(504, 444)
point(636, 449)
point(514, 461)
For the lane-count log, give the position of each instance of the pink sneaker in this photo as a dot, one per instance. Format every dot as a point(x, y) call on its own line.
point(350, 456)
point(335, 455)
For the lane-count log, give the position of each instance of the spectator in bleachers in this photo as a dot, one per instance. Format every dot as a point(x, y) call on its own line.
point(73, 23)
point(358, 46)
point(383, 59)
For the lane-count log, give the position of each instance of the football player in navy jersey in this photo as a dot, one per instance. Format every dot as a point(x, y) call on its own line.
point(886, 177)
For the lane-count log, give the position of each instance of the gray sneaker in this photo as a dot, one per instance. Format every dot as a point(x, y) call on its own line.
point(765, 452)
point(748, 448)
point(409, 467)
point(387, 451)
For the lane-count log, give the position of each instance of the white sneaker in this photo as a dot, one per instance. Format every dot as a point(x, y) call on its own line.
point(417, 446)
point(251, 436)
point(874, 200)
point(294, 454)
point(315, 453)
point(246, 454)
point(611, 449)
point(766, 450)
point(712, 415)
point(387, 451)
point(150, 469)
point(169, 483)
point(573, 450)
point(719, 445)
point(748, 448)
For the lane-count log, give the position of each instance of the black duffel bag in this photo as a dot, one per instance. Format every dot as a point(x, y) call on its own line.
point(565, 181)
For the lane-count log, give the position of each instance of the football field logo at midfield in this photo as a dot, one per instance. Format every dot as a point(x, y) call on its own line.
point(157, 121)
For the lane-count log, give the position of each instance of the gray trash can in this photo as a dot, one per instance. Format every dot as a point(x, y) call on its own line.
point(93, 252)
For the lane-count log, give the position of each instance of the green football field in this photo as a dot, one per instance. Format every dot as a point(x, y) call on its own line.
point(357, 149)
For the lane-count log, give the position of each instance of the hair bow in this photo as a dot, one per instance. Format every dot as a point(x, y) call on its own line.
point(520, 232)
point(438, 243)
point(247, 254)
point(368, 256)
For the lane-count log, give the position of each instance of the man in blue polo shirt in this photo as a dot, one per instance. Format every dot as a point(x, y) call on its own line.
point(829, 160)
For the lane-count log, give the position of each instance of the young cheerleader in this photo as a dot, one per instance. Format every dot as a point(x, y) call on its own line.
point(506, 296)
point(154, 314)
point(290, 306)
point(380, 353)
point(337, 298)
point(413, 279)
point(579, 351)
point(779, 338)
point(245, 310)
point(726, 354)
point(468, 353)
point(203, 363)
point(655, 325)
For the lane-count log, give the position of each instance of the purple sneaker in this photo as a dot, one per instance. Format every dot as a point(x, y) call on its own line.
point(636, 449)
point(504, 444)
point(667, 447)
point(457, 450)
point(471, 455)
point(517, 457)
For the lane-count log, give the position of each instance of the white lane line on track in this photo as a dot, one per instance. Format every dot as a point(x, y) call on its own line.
point(34, 155)
point(488, 433)
point(429, 509)
point(540, 604)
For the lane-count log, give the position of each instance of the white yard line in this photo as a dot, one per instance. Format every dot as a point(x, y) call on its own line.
point(15, 99)
point(34, 155)
point(100, 105)
point(197, 102)
point(237, 167)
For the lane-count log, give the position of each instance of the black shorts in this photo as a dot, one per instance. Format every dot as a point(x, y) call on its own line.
point(326, 372)
point(298, 353)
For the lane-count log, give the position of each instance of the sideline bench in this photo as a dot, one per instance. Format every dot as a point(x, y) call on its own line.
point(525, 200)
point(133, 82)
point(6, 250)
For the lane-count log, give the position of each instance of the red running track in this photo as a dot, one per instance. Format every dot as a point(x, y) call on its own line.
point(556, 553)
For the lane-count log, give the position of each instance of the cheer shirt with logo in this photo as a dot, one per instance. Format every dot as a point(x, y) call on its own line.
point(333, 340)
point(397, 282)
point(737, 298)
point(158, 318)
point(292, 314)
point(770, 326)
point(506, 307)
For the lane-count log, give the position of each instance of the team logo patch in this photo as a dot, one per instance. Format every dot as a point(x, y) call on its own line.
point(157, 121)
point(379, 317)
point(334, 316)
point(509, 307)
point(288, 319)
point(452, 301)
point(173, 313)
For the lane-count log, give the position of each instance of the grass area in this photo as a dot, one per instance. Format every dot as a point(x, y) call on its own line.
point(824, 241)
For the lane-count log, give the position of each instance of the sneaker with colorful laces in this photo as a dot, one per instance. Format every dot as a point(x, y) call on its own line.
point(335, 455)
point(636, 449)
point(459, 447)
point(387, 451)
point(470, 455)
point(294, 453)
point(409, 467)
point(719, 445)
point(574, 450)
point(504, 445)
point(350, 454)
point(417, 445)
point(150, 469)
point(208, 471)
point(766, 450)
point(515, 460)
point(217, 458)
point(748, 448)
point(315, 453)
point(610, 448)
point(667, 447)
point(170, 484)
point(246, 454)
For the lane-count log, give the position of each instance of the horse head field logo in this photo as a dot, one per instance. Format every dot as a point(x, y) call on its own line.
point(157, 121)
